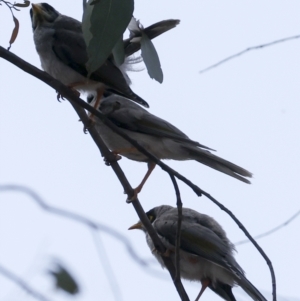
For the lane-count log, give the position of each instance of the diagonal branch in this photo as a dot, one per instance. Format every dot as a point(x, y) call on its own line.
point(247, 50)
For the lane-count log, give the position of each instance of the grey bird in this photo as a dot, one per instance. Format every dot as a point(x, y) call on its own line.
point(206, 254)
point(157, 136)
point(60, 44)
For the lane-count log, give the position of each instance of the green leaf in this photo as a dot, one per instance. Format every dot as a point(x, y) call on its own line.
point(118, 52)
point(151, 59)
point(64, 280)
point(86, 23)
point(103, 25)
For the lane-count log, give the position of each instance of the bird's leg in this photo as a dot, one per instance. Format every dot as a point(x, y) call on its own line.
point(137, 190)
point(205, 283)
point(100, 92)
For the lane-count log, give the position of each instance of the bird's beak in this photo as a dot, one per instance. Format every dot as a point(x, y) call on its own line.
point(36, 8)
point(37, 15)
point(138, 225)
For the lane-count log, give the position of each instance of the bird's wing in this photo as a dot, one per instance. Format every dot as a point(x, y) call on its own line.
point(130, 116)
point(195, 239)
point(113, 77)
point(200, 240)
point(207, 222)
point(70, 48)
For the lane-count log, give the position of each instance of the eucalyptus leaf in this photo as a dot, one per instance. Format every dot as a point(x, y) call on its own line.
point(103, 25)
point(118, 52)
point(86, 23)
point(151, 59)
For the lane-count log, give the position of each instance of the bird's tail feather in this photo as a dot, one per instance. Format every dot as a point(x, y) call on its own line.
point(250, 289)
point(207, 158)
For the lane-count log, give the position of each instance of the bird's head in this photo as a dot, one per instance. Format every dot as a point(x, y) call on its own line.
point(139, 225)
point(42, 14)
point(152, 215)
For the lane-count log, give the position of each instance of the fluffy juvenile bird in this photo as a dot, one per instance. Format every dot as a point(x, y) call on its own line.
point(60, 44)
point(157, 136)
point(206, 254)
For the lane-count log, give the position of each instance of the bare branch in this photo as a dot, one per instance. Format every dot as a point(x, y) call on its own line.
point(241, 242)
point(247, 50)
point(21, 283)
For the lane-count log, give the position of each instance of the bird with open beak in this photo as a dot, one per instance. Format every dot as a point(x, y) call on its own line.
point(206, 254)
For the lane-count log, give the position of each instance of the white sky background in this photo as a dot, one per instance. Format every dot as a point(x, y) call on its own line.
point(247, 109)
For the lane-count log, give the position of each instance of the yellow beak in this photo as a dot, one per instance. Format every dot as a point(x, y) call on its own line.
point(138, 225)
point(36, 8)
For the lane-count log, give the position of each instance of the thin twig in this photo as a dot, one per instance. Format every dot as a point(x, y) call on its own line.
point(178, 233)
point(21, 283)
point(241, 242)
point(247, 50)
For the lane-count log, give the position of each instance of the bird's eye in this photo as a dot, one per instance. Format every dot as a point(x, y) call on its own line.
point(151, 218)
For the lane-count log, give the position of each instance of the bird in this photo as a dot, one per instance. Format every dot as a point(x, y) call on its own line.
point(63, 53)
point(157, 136)
point(206, 254)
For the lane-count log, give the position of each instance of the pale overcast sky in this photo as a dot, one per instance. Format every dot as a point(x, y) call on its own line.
point(247, 109)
